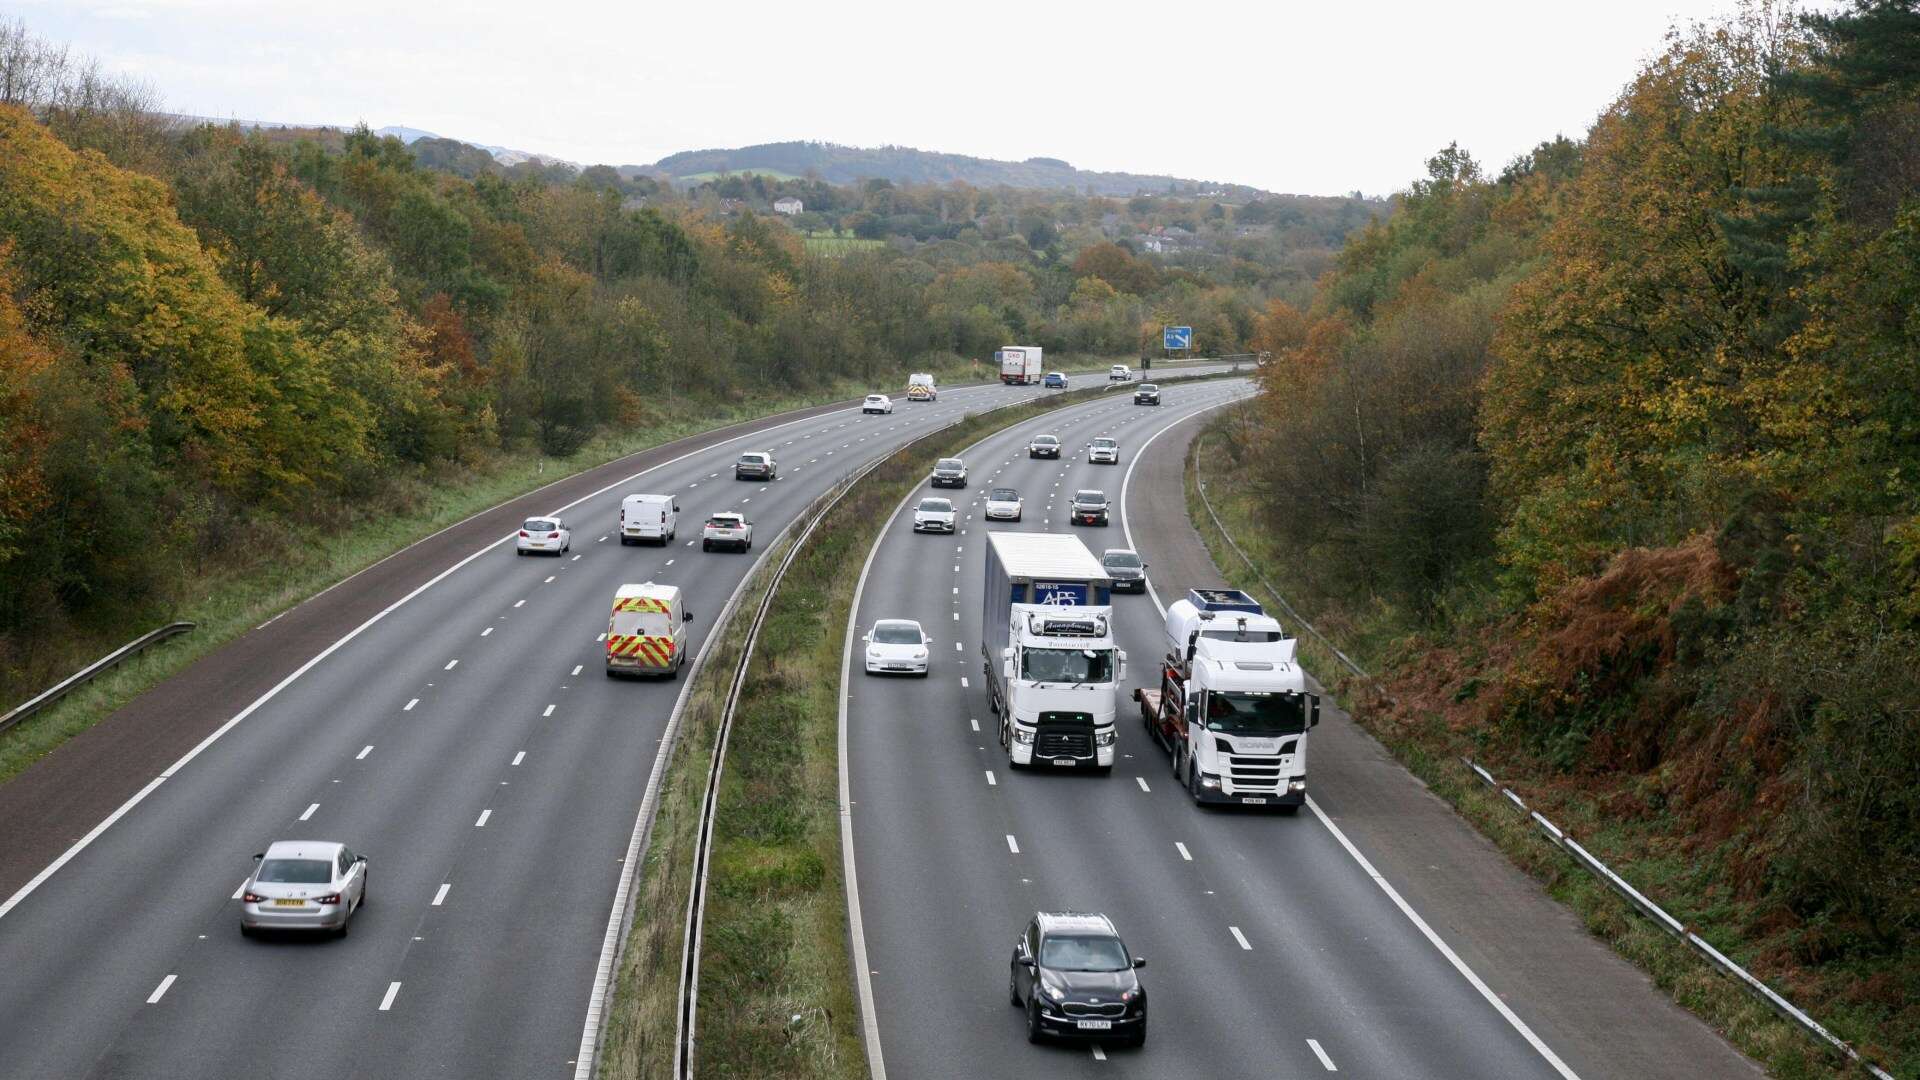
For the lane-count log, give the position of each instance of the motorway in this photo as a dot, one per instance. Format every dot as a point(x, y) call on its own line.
point(1275, 948)
point(464, 739)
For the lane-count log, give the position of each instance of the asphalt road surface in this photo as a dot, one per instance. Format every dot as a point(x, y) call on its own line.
point(1276, 947)
point(465, 740)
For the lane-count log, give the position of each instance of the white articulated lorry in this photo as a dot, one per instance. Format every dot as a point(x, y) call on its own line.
point(1233, 706)
point(1019, 364)
point(1053, 667)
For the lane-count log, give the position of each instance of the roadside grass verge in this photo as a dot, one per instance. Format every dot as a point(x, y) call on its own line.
point(776, 985)
point(228, 599)
point(1432, 753)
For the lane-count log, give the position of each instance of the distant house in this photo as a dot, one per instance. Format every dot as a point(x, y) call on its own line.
point(1149, 242)
point(788, 205)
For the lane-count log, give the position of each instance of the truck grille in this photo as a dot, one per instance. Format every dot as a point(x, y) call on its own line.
point(1053, 744)
point(1076, 1008)
point(1254, 772)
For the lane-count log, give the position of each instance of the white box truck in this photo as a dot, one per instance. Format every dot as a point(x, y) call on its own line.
point(1019, 364)
point(1053, 667)
point(1233, 707)
point(648, 517)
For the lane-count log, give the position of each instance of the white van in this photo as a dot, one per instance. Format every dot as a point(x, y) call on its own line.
point(920, 387)
point(648, 517)
point(647, 631)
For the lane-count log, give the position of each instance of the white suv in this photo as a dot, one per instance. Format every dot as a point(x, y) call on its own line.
point(877, 403)
point(727, 530)
point(1119, 373)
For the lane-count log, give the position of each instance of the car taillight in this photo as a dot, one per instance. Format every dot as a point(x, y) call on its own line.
point(553, 536)
point(523, 534)
point(252, 898)
point(330, 898)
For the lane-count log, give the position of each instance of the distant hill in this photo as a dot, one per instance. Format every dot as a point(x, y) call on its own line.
point(849, 164)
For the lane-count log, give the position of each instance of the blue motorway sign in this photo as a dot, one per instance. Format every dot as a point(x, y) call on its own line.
point(1177, 337)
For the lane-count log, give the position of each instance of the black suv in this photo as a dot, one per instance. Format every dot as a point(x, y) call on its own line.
point(1146, 394)
point(1089, 508)
point(1075, 977)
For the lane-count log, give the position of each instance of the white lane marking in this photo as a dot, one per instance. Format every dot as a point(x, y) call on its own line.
point(487, 631)
point(310, 811)
point(689, 543)
point(1099, 1054)
point(549, 711)
point(450, 664)
point(1446, 951)
point(963, 682)
point(602, 637)
point(974, 722)
point(517, 603)
point(669, 562)
point(364, 751)
point(441, 896)
point(991, 782)
point(956, 645)
point(409, 705)
point(1321, 1054)
point(161, 990)
point(1184, 853)
point(577, 667)
point(1142, 781)
point(956, 616)
point(576, 558)
point(393, 991)
point(956, 590)
point(1241, 938)
point(549, 580)
point(1126, 520)
point(1012, 844)
point(484, 815)
point(519, 757)
point(602, 540)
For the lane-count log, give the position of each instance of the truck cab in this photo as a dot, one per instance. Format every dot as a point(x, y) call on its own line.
point(1233, 708)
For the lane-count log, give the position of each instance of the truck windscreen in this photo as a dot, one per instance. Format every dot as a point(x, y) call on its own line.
point(1256, 713)
point(1067, 665)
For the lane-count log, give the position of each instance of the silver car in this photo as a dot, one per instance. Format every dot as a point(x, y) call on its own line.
point(304, 885)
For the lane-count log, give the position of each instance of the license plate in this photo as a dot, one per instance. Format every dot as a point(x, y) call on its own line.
point(1253, 800)
point(1065, 761)
point(1095, 1025)
point(289, 903)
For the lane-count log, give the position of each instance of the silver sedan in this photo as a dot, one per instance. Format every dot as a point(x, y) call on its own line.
point(304, 885)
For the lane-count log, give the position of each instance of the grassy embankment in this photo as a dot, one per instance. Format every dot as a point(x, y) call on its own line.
point(776, 989)
point(1433, 754)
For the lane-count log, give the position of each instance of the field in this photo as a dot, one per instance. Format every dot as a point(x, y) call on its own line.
point(828, 244)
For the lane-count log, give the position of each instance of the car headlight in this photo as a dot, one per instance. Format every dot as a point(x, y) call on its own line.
point(1297, 785)
point(1209, 782)
point(1022, 736)
point(1051, 990)
point(1103, 738)
point(919, 654)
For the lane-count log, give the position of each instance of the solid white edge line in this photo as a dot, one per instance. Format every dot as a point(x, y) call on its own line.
point(1314, 1044)
point(1444, 949)
point(121, 811)
point(161, 990)
point(1385, 886)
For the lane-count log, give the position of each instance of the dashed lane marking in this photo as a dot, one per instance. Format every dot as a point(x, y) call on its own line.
point(161, 990)
point(310, 811)
point(1240, 937)
point(1314, 1044)
point(484, 815)
point(519, 757)
point(364, 751)
point(393, 991)
point(1184, 853)
point(409, 705)
point(1012, 844)
point(440, 897)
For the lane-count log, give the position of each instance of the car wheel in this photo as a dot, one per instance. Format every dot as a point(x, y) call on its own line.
point(1013, 992)
point(518, 552)
point(344, 923)
point(1033, 1022)
point(363, 895)
point(706, 545)
point(245, 930)
point(1138, 1038)
point(610, 674)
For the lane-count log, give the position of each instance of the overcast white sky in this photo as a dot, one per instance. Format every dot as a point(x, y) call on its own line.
point(1293, 97)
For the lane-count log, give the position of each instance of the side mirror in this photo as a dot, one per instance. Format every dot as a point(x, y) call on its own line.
point(1006, 654)
point(926, 639)
point(1313, 714)
point(1006, 669)
point(1139, 961)
point(866, 637)
point(360, 859)
point(1029, 963)
point(686, 616)
point(259, 855)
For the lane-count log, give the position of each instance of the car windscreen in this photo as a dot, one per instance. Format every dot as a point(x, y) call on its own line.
point(1104, 443)
point(753, 459)
point(1067, 665)
point(1123, 558)
point(723, 523)
point(949, 463)
point(1149, 388)
point(939, 506)
point(896, 634)
point(1004, 495)
point(1249, 713)
point(296, 871)
point(540, 525)
point(1090, 498)
point(641, 623)
point(1084, 954)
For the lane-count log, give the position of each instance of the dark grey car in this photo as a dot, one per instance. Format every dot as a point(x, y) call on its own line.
point(1123, 565)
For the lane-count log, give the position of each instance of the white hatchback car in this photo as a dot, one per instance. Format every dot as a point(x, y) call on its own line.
point(1103, 451)
point(1119, 373)
point(303, 885)
point(934, 515)
point(1003, 504)
point(727, 530)
point(897, 646)
point(543, 534)
point(877, 403)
